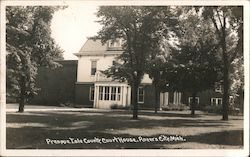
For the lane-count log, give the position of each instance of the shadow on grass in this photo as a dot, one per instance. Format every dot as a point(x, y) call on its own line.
point(231, 137)
point(115, 119)
point(90, 124)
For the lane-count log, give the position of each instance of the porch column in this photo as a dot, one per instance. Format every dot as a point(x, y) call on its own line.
point(166, 99)
point(161, 99)
point(123, 95)
point(126, 102)
point(96, 96)
point(174, 102)
point(179, 102)
point(129, 96)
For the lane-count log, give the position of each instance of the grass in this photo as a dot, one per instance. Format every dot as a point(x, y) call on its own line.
point(205, 131)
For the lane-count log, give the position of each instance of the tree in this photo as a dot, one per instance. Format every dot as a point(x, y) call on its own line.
point(155, 71)
point(29, 45)
point(141, 28)
point(237, 82)
point(228, 24)
point(195, 66)
point(195, 70)
point(157, 68)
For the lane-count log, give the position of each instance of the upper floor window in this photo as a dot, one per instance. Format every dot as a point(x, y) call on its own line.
point(93, 67)
point(115, 43)
point(218, 87)
point(114, 63)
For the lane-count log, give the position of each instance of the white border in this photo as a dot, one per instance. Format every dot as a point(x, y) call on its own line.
point(127, 2)
point(131, 152)
point(2, 80)
point(246, 76)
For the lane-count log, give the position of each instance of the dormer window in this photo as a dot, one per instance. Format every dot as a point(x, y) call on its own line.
point(115, 43)
point(218, 87)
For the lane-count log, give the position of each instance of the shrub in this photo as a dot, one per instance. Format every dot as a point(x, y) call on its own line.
point(174, 107)
point(234, 110)
point(212, 109)
point(116, 106)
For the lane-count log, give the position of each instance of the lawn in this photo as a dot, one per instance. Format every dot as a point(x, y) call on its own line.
point(85, 129)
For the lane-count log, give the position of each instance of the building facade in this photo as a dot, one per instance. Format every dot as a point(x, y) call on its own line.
point(94, 89)
point(82, 83)
point(57, 85)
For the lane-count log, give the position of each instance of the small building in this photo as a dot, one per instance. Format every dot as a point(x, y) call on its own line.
point(56, 85)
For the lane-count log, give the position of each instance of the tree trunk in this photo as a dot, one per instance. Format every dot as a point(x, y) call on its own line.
point(241, 99)
point(193, 104)
point(21, 104)
point(157, 105)
point(225, 101)
point(22, 94)
point(134, 100)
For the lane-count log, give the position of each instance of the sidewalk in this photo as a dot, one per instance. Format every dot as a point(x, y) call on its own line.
point(14, 108)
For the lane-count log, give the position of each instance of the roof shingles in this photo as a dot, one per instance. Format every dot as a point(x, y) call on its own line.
point(95, 47)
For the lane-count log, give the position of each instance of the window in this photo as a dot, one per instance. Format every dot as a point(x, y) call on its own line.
point(115, 63)
point(177, 98)
point(91, 93)
point(213, 101)
point(219, 101)
point(100, 93)
point(140, 95)
point(113, 93)
point(93, 67)
point(216, 101)
point(116, 43)
point(106, 93)
point(218, 87)
point(118, 93)
point(190, 100)
point(109, 93)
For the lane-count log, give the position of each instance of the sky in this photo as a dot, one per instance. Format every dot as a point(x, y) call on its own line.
point(71, 27)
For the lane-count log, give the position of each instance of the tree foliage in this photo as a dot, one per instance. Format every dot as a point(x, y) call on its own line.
point(228, 24)
point(142, 29)
point(29, 45)
point(194, 62)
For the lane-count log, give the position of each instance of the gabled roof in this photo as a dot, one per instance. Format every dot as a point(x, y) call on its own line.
point(96, 48)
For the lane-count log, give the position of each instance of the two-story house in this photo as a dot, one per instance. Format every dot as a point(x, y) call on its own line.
point(93, 89)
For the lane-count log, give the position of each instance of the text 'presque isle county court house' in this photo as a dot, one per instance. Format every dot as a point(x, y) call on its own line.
point(81, 82)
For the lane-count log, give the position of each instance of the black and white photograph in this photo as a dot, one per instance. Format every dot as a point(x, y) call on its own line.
point(116, 78)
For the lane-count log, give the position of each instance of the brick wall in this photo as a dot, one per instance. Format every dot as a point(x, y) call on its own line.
point(56, 85)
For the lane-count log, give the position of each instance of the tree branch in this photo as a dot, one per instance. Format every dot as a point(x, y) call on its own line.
point(219, 18)
point(215, 25)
